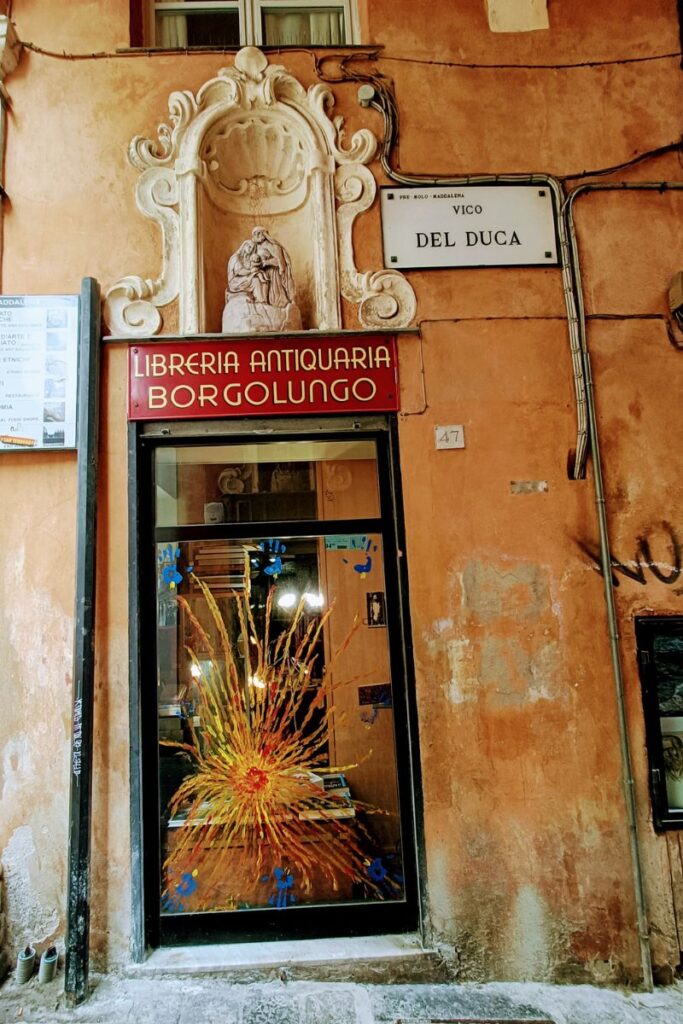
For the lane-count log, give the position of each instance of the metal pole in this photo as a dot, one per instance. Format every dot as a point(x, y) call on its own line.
point(78, 900)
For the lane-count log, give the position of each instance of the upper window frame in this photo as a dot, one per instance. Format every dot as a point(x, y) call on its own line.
point(250, 17)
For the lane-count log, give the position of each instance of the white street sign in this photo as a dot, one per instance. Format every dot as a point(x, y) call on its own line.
point(468, 226)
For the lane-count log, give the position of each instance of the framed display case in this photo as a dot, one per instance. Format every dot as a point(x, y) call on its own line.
point(274, 804)
point(660, 660)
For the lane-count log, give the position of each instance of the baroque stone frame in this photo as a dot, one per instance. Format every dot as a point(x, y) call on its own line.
point(254, 96)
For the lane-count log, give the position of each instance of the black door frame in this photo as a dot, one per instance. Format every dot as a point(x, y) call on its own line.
point(149, 929)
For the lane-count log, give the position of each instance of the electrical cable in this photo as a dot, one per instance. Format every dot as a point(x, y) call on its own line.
point(152, 51)
point(606, 566)
point(587, 429)
point(384, 87)
point(140, 51)
point(347, 73)
point(666, 320)
point(531, 67)
point(670, 147)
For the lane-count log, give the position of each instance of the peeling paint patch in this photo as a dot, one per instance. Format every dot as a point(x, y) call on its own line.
point(440, 626)
point(16, 767)
point(461, 684)
point(516, 658)
point(39, 655)
point(530, 935)
point(452, 658)
point(519, 592)
point(528, 486)
point(518, 674)
point(441, 886)
point(29, 920)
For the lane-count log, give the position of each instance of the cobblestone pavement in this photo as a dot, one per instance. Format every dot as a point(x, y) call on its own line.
point(193, 1000)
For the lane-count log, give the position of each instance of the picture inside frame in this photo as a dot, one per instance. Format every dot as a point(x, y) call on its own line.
point(376, 608)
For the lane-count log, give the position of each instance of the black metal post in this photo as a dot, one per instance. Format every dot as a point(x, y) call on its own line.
point(78, 898)
point(138, 935)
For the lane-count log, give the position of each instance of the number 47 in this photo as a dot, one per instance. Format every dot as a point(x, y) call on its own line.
point(451, 436)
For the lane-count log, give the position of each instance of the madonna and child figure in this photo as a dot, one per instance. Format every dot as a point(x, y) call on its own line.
point(260, 295)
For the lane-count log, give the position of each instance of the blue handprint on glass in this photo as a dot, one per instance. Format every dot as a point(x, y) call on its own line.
point(274, 550)
point(173, 904)
point(282, 896)
point(168, 562)
point(365, 546)
point(389, 882)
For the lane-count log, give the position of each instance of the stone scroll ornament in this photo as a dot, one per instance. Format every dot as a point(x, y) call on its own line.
point(261, 295)
point(254, 144)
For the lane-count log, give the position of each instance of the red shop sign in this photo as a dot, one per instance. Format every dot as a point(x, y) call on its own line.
point(247, 377)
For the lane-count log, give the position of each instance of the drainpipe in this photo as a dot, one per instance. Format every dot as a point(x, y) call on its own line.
point(3, 194)
point(606, 561)
point(378, 97)
point(10, 52)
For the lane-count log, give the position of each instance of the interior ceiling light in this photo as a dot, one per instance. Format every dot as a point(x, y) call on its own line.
point(311, 598)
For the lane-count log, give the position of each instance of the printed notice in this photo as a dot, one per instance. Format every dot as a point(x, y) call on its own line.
point(38, 371)
point(468, 226)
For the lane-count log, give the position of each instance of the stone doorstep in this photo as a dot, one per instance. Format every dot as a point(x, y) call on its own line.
point(391, 959)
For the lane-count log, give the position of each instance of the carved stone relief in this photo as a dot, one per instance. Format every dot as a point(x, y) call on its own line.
point(261, 294)
point(254, 150)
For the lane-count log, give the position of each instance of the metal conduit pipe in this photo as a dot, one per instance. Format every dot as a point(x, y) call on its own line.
point(10, 52)
point(605, 557)
point(3, 136)
point(383, 102)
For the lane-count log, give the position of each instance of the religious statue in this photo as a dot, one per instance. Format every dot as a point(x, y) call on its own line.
point(260, 295)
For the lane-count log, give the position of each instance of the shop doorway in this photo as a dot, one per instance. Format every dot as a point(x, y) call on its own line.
point(277, 750)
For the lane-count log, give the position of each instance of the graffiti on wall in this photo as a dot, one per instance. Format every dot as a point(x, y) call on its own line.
point(77, 743)
point(657, 557)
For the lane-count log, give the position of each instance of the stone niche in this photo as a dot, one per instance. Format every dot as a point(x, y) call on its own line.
point(254, 147)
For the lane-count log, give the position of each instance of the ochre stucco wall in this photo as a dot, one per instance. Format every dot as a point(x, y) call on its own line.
point(528, 870)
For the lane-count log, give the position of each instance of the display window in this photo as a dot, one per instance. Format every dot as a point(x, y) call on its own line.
point(278, 782)
point(660, 657)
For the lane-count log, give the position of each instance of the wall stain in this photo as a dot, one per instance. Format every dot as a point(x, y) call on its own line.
point(503, 644)
point(519, 674)
point(491, 592)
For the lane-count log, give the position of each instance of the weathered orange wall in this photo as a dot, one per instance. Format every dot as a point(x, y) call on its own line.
point(526, 845)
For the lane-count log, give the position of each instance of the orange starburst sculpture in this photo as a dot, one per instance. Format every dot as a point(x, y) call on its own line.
point(252, 793)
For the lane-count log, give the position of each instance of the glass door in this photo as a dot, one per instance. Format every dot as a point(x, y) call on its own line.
point(281, 771)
